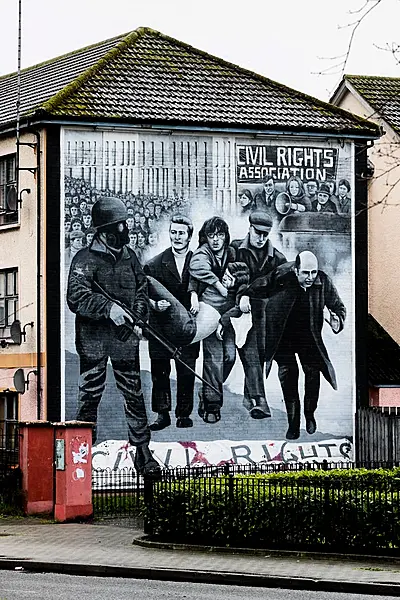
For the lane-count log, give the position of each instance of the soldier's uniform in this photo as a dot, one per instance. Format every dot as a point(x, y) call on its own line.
point(97, 337)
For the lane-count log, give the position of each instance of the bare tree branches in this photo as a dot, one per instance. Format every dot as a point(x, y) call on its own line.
point(389, 159)
point(340, 61)
point(393, 48)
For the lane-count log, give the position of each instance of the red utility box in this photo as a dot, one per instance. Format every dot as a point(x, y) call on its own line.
point(36, 461)
point(73, 470)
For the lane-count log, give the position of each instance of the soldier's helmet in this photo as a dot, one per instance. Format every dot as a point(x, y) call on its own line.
point(108, 211)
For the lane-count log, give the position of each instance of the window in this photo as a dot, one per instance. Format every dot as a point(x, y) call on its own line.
point(8, 300)
point(8, 214)
point(8, 423)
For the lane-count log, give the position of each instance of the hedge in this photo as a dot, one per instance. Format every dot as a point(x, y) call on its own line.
point(341, 510)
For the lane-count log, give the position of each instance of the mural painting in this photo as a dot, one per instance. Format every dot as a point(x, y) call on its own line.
point(208, 285)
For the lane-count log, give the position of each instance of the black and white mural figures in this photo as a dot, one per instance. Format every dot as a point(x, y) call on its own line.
point(104, 278)
point(208, 285)
point(298, 293)
point(171, 269)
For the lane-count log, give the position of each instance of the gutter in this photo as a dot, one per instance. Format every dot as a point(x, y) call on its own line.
point(201, 128)
point(230, 130)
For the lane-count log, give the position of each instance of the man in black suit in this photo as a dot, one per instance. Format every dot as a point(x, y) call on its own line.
point(265, 199)
point(171, 269)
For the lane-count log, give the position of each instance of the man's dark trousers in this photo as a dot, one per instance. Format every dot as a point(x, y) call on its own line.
point(288, 373)
point(161, 390)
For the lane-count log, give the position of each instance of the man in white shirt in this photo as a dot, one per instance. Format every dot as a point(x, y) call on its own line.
point(171, 269)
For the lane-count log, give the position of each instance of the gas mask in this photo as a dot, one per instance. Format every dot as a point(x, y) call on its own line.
point(116, 235)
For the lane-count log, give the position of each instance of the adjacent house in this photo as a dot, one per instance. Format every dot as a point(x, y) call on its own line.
point(378, 99)
point(168, 128)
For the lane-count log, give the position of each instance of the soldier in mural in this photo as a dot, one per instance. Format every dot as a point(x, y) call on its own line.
point(260, 256)
point(102, 280)
point(171, 269)
point(297, 294)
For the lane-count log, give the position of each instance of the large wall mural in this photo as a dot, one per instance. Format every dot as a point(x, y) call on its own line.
point(208, 311)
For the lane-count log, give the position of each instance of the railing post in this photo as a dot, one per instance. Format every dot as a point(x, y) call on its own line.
point(149, 482)
point(227, 472)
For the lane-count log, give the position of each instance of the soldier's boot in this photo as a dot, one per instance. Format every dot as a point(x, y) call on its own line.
point(145, 463)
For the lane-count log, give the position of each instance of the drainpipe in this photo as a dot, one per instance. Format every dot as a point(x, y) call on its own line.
point(37, 171)
point(38, 278)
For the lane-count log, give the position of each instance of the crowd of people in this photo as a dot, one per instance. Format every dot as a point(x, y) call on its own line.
point(296, 196)
point(146, 215)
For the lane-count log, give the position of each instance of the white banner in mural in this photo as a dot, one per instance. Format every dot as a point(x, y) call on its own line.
point(117, 455)
point(208, 285)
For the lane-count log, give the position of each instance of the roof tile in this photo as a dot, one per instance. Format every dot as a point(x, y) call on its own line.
point(382, 93)
point(147, 76)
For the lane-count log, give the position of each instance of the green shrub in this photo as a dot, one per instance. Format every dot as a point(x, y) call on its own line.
point(355, 509)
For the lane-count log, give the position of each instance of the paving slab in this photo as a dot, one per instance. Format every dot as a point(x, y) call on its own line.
point(109, 549)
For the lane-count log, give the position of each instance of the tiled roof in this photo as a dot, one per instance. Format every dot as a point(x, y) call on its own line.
point(382, 94)
point(41, 82)
point(149, 77)
point(383, 356)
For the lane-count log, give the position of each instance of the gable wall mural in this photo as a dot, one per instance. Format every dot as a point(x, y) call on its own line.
point(250, 285)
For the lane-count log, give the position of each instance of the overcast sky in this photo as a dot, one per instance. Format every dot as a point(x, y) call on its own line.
point(286, 40)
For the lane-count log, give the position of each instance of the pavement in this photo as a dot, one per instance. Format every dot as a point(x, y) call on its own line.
point(120, 549)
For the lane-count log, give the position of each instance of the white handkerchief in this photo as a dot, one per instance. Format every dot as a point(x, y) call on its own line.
point(242, 326)
point(207, 320)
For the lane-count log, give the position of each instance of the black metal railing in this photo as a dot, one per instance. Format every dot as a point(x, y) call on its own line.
point(10, 474)
point(355, 509)
point(9, 446)
point(117, 493)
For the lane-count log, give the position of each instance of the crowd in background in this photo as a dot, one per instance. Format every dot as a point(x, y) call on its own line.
point(294, 195)
point(146, 215)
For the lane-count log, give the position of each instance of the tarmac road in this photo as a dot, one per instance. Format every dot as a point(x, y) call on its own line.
point(23, 585)
point(112, 550)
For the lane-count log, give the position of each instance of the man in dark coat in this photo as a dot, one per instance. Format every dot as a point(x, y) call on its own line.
point(324, 202)
point(171, 269)
point(258, 253)
point(297, 294)
point(265, 200)
point(101, 330)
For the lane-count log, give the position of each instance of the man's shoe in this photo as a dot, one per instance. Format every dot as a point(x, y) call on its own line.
point(184, 422)
point(144, 462)
point(311, 425)
point(211, 415)
point(248, 403)
point(163, 420)
point(259, 409)
point(292, 434)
